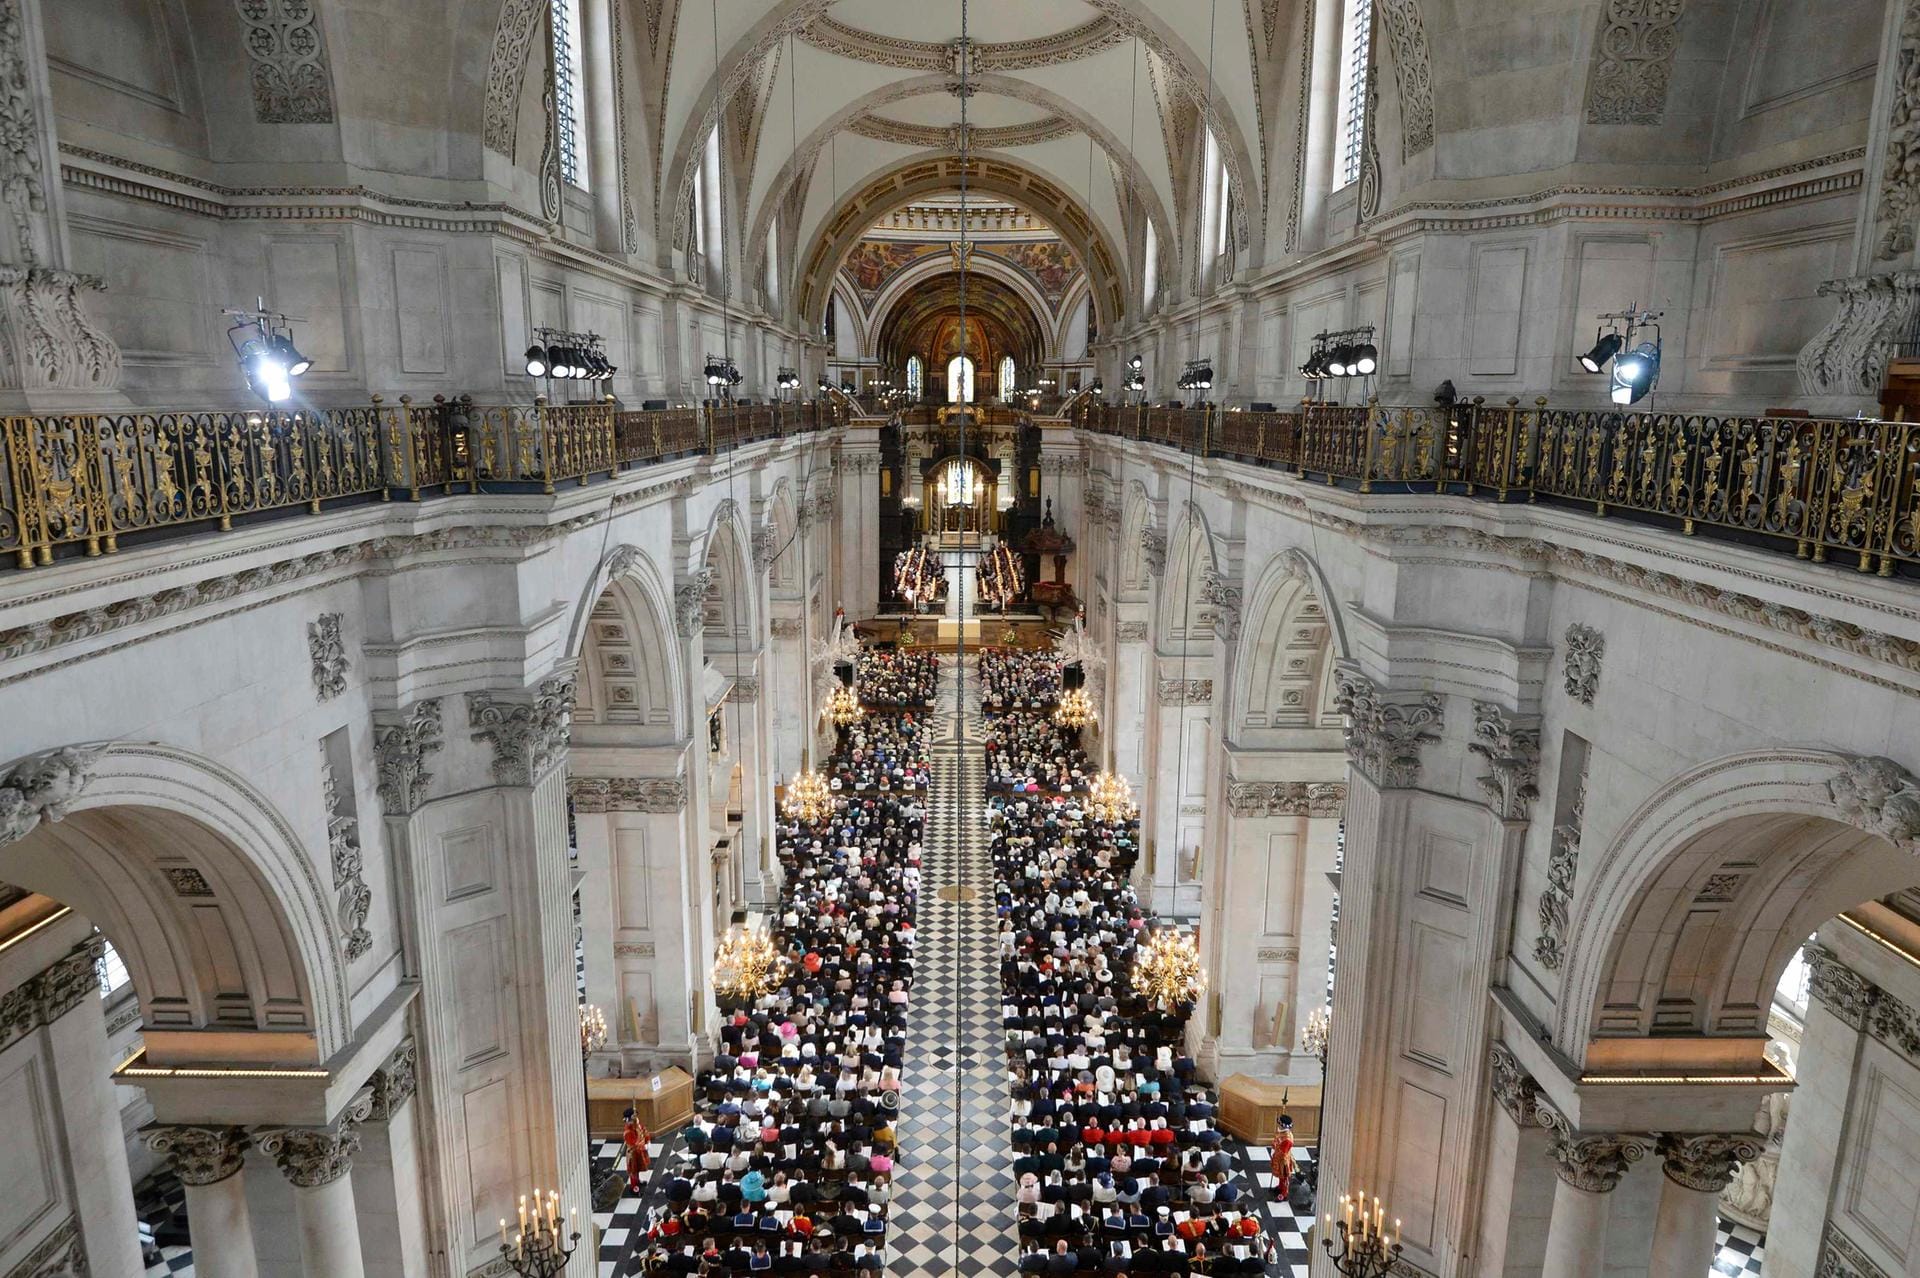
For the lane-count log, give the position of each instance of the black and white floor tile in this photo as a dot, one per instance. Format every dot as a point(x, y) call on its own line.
point(1738, 1252)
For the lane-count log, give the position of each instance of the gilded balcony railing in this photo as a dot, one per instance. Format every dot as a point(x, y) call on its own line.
point(91, 479)
point(1827, 489)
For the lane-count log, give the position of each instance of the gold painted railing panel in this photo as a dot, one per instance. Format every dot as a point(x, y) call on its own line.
point(89, 479)
point(1822, 487)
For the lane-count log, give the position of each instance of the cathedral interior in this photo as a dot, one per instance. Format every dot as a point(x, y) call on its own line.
point(960, 637)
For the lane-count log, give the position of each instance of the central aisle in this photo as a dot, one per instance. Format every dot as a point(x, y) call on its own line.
point(952, 1205)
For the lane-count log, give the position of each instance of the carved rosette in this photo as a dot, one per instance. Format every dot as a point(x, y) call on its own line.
point(42, 787)
point(1514, 1088)
point(1512, 752)
point(199, 1156)
point(394, 1083)
point(1584, 648)
point(1595, 1163)
point(1880, 796)
point(329, 652)
point(1384, 737)
point(528, 737)
point(52, 992)
point(657, 795)
point(1286, 798)
point(690, 603)
point(400, 750)
point(1707, 1161)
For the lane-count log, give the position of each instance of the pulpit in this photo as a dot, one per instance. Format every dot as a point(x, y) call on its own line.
point(663, 1102)
point(1250, 1109)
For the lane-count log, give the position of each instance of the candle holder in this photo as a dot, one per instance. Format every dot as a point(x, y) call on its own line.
point(1357, 1242)
point(537, 1250)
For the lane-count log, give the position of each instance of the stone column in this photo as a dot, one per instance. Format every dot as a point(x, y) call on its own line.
point(1517, 1205)
point(1698, 1167)
point(208, 1161)
point(1590, 1167)
point(316, 1162)
point(858, 507)
point(386, 1173)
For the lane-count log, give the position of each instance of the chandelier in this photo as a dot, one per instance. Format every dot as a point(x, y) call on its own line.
point(746, 965)
point(843, 707)
point(537, 1249)
point(809, 799)
point(1314, 1036)
point(1167, 971)
point(1000, 577)
point(1110, 799)
point(1075, 710)
point(593, 1029)
point(1357, 1242)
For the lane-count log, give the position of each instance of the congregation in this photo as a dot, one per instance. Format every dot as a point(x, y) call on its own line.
point(897, 677)
point(1019, 678)
point(1028, 753)
point(1121, 1168)
point(788, 1165)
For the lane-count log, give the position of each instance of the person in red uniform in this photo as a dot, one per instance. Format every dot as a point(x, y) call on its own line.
point(635, 1139)
point(1282, 1158)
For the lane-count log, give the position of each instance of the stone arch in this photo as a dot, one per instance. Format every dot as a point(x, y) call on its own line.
point(1406, 33)
point(1137, 522)
point(513, 43)
point(629, 660)
point(200, 884)
point(728, 611)
point(1285, 677)
point(1185, 616)
point(899, 288)
point(1688, 918)
point(987, 173)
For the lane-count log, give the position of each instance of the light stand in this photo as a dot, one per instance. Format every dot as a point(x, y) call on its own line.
point(1341, 353)
point(262, 341)
point(559, 354)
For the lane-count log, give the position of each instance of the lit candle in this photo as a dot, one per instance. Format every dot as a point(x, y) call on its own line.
point(523, 1213)
point(503, 1233)
point(1396, 1231)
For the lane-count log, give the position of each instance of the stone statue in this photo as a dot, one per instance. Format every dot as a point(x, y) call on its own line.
point(1749, 1199)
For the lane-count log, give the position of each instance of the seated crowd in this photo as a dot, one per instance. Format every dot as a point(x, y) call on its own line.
point(1029, 753)
point(1019, 678)
point(788, 1165)
point(1120, 1168)
point(884, 752)
point(896, 677)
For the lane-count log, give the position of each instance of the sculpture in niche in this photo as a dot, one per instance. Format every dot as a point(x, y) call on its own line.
point(1585, 647)
point(1633, 61)
point(1563, 866)
point(289, 55)
point(329, 652)
point(1748, 1200)
point(41, 787)
point(355, 898)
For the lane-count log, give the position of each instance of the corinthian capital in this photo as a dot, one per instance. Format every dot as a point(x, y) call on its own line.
point(1595, 1162)
point(1384, 736)
point(199, 1155)
point(1706, 1162)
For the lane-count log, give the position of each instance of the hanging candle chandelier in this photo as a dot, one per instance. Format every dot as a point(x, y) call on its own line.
point(809, 799)
point(593, 1029)
point(746, 964)
point(1075, 710)
point(1110, 799)
point(1167, 971)
point(843, 707)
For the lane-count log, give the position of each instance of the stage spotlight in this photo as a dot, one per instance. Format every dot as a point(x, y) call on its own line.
point(267, 372)
point(283, 349)
point(537, 365)
point(1366, 358)
point(1635, 372)
point(1337, 361)
point(1595, 360)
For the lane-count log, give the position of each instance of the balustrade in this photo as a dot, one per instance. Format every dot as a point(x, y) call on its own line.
point(91, 479)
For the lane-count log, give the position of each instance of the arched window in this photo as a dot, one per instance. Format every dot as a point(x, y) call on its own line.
point(916, 378)
point(1216, 193)
point(1007, 373)
point(1356, 48)
point(569, 91)
point(1150, 280)
point(960, 380)
point(111, 971)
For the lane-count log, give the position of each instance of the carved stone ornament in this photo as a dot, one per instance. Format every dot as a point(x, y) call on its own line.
point(52, 992)
point(1186, 692)
point(329, 653)
point(1131, 632)
point(1413, 72)
point(745, 688)
point(400, 751)
point(310, 1157)
point(1897, 204)
point(394, 1083)
point(1223, 600)
point(1153, 545)
point(1706, 1161)
point(1584, 648)
point(528, 737)
point(1595, 1163)
point(1563, 868)
point(1512, 752)
point(1837, 987)
point(1872, 316)
point(1384, 737)
point(1881, 796)
point(62, 1254)
point(1513, 1087)
point(657, 795)
point(291, 84)
point(354, 897)
point(185, 880)
point(1633, 61)
point(1841, 1257)
point(48, 341)
point(766, 547)
point(199, 1156)
point(787, 627)
point(690, 603)
point(1286, 798)
point(42, 786)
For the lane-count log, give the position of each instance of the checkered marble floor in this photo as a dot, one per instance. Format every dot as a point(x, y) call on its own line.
point(626, 1224)
point(952, 1204)
point(1738, 1252)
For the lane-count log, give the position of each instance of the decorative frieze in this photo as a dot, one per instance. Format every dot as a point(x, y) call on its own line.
point(1186, 692)
point(1706, 1161)
point(690, 603)
point(627, 794)
point(1286, 798)
point(1413, 72)
point(1513, 1087)
point(633, 949)
point(400, 750)
point(199, 1156)
point(528, 737)
point(41, 787)
point(291, 83)
point(185, 880)
point(745, 688)
point(1880, 796)
point(354, 898)
point(1584, 648)
point(787, 627)
point(1595, 1163)
point(1633, 61)
point(1563, 867)
point(1512, 752)
point(48, 341)
point(1841, 1257)
point(1130, 631)
point(329, 653)
point(1384, 737)
point(52, 992)
point(62, 1254)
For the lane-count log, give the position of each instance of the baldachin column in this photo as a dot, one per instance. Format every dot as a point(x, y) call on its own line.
point(317, 1162)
